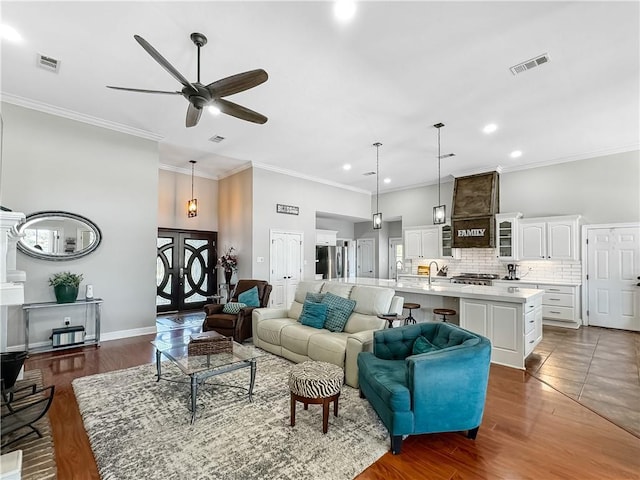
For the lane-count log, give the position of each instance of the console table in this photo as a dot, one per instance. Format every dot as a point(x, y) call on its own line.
point(27, 307)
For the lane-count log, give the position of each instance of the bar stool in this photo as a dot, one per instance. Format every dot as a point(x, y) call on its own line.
point(444, 312)
point(410, 306)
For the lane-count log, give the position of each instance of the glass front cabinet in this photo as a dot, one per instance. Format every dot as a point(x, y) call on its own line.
point(507, 230)
point(446, 242)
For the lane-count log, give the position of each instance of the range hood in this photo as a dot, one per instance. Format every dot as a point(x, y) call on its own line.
point(476, 200)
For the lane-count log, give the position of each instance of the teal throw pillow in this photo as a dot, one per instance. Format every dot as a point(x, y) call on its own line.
point(338, 311)
point(314, 297)
point(250, 297)
point(422, 345)
point(313, 314)
point(233, 307)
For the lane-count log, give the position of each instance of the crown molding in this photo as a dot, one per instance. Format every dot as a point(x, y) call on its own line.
point(233, 171)
point(186, 171)
point(79, 117)
point(292, 173)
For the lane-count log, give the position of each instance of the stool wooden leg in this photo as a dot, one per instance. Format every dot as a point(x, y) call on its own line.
point(325, 415)
point(293, 411)
point(335, 406)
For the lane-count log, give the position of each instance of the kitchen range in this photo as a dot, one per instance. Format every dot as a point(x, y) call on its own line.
point(485, 279)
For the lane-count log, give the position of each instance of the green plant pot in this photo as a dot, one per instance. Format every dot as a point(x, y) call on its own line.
point(66, 293)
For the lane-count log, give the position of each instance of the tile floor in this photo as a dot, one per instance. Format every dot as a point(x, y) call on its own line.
point(598, 367)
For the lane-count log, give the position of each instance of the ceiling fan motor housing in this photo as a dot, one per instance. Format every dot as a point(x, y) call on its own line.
point(201, 98)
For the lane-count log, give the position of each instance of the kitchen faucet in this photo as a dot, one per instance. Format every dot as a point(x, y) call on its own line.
point(430, 270)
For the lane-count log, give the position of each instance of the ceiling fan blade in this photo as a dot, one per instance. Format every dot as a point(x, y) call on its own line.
point(144, 91)
point(164, 63)
point(237, 83)
point(193, 115)
point(239, 111)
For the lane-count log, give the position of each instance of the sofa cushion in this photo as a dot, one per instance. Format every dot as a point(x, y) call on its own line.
point(304, 287)
point(295, 337)
point(388, 378)
point(358, 323)
point(314, 297)
point(250, 297)
point(422, 345)
point(313, 314)
point(269, 330)
point(372, 300)
point(340, 289)
point(339, 309)
point(295, 310)
point(233, 307)
point(328, 347)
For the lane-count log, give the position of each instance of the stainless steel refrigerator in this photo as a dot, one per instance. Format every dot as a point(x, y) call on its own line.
point(332, 262)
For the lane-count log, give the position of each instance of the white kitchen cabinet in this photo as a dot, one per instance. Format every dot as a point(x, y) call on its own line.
point(326, 237)
point(507, 231)
point(422, 242)
point(550, 238)
point(560, 303)
point(513, 328)
point(446, 243)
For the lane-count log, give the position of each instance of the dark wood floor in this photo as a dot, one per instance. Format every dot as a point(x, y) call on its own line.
point(529, 431)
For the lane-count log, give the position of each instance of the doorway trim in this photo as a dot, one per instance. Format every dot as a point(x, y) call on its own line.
point(585, 260)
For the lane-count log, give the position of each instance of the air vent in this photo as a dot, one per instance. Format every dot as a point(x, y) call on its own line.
point(48, 63)
point(216, 139)
point(368, 174)
point(529, 64)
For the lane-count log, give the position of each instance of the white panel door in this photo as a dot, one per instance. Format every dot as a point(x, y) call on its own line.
point(613, 256)
point(366, 257)
point(286, 260)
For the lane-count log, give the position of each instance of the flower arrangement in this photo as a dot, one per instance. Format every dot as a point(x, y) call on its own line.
point(229, 260)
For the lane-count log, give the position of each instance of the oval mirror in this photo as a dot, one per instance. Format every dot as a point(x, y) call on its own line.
point(55, 235)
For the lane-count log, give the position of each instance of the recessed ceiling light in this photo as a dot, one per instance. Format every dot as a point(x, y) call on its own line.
point(490, 128)
point(516, 154)
point(344, 10)
point(213, 110)
point(346, 166)
point(387, 180)
point(10, 33)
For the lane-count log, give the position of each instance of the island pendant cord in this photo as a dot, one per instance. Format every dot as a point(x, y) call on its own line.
point(377, 217)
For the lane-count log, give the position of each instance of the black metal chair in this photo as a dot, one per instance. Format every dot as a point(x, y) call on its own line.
point(21, 408)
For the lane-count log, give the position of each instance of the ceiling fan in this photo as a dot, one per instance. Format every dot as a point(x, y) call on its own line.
point(199, 95)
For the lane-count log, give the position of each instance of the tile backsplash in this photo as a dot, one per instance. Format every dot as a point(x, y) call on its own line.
point(484, 260)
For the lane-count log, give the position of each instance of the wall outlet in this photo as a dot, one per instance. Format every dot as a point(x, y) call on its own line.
point(260, 259)
point(67, 320)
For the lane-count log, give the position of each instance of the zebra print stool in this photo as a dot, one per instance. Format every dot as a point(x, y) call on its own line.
point(313, 382)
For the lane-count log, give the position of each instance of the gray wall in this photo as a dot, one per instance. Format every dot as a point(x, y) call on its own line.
point(174, 190)
point(271, 188)
point(343, 227)
point(52, 163)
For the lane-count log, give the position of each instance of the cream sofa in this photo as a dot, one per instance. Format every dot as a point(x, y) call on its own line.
point(278, 330)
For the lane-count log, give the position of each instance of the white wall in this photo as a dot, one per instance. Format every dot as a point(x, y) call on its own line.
point(236, 217)
point(52, 163)
point(174, 191)
point(342, 226)
point(271, 188)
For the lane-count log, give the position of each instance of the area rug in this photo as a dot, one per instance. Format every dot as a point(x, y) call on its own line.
point(140, 428)
point(38, 454)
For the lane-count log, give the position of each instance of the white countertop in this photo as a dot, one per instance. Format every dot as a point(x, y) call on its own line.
point(493, 293)
point(538, 282)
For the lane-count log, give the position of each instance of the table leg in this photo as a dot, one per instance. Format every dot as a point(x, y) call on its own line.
point(194, 395)
point(253, 378)
point(293, 410)
point(158, 364)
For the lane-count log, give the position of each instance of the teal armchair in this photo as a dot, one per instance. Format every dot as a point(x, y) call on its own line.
point(441, 390)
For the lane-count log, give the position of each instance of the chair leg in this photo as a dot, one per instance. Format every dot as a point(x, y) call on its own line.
point(361, 393)
point(396, 444)
point(472, 433)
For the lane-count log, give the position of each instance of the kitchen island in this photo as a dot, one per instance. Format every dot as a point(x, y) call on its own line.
point(511, 317)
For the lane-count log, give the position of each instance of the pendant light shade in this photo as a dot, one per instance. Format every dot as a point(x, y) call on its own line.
point(439, 211)
point(377, 217)
point(192, 205)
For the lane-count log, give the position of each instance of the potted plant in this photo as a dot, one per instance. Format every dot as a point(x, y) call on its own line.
point(65, 285)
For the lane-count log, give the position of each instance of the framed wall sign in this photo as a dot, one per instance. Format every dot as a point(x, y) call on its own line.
point(476, 232)
point(288, 209)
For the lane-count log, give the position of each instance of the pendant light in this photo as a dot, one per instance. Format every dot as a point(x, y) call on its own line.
point(192, 205)
point(440, 211)
point(377, 217)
